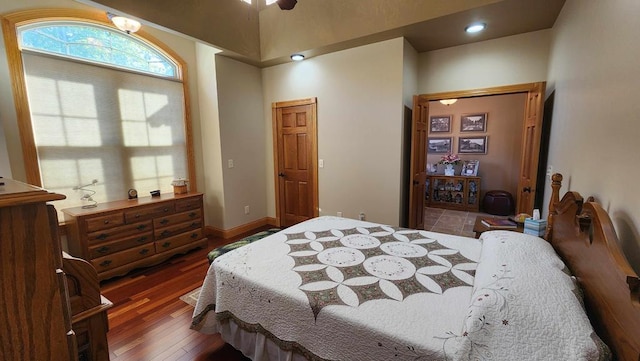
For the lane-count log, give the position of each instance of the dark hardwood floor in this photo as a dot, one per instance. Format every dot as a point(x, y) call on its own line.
point(148, 320)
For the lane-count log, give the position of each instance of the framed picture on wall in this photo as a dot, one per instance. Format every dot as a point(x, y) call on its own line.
point(440, 124)
point(472, 145)
point(439, 145)
point(476, 122)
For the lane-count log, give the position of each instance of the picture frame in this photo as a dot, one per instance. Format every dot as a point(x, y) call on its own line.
point(439, 145)
point(472, 145)
point(476, 122)
point(470, 168)
point(440, 123)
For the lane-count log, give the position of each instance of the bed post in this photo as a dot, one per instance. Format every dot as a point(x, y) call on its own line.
point(556, 184)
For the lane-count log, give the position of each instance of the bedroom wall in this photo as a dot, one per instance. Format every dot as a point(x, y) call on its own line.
point(510, 60)
point(593, 68)
point(360, 108)
point(5, 166)
point(242, 130)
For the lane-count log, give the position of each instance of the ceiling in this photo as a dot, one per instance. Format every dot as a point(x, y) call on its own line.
point(267, 36)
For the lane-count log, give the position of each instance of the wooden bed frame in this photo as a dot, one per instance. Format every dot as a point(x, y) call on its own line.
point(583, 235)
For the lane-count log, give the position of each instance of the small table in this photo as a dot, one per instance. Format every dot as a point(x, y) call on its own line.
point(478, 227)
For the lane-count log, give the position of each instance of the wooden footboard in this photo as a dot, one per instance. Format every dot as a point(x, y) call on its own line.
point(583, 235)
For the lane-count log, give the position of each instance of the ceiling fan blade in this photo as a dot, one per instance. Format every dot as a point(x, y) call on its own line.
point(287, 4)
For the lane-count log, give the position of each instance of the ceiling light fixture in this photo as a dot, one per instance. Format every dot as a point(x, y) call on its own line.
point(475, 28)
point(448, 101)
point(125, 24)
point(297, 57)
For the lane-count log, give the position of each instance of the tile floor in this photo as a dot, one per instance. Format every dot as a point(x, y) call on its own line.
point(449, 221)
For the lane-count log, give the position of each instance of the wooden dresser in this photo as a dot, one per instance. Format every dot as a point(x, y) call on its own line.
point(116, 237)
point(35, 314)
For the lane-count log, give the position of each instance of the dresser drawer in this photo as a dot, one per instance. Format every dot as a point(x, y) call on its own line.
point(188, 203)
point(171, 231)
point(195, 214)
point(179, 240)
point(107, 248)
point(148, 212)
point(104, 222)
point(121, 258)
point(112, 234)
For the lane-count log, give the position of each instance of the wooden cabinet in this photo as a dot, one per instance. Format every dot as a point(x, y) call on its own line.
point(453, 192)
point(88, 309)
point(35, 312)
point(116, 237)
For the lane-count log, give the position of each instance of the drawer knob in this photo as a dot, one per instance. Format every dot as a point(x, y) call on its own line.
point(144, 251)
point(102, 236)
point(164, 221)
point(165, 233)
point(141, 239)
point(194, 235)
point(166, 244)
point(105, 263)
point(137, 215)
point(194, 224)
point(165, 210)
point(141, 227)
point(103, 249)
point(106, 222)
point(192, 214)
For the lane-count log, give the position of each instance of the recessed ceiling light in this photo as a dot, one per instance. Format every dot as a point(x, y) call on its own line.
point(297, 57)
point(475, 28)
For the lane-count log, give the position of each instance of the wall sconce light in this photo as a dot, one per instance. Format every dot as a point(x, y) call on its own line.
point(125, 24)
point(448, 101)
point(297, 57)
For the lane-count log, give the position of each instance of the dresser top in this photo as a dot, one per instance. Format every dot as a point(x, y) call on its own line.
point(14, 193)
point(126, 203)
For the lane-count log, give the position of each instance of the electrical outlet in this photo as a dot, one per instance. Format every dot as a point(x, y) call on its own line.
point(339, 214)
point(246, 209)
point(361, 216)
point(549, 171)
point(230, 163)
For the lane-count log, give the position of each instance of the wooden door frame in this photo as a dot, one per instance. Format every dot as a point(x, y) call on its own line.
point(500, 90)
point(313, 155)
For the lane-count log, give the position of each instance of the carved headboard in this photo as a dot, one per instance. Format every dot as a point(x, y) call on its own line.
point(583, 235)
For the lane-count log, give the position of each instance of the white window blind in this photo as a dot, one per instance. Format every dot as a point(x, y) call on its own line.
point(90, 122)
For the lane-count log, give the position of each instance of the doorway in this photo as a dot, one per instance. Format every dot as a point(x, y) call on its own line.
point(529, 154)
point(295, 160)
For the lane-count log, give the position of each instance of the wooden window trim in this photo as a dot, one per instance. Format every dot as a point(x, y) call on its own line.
point(11, 22)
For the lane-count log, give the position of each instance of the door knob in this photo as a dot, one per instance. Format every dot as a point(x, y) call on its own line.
point(281, 174)
point(526, 189)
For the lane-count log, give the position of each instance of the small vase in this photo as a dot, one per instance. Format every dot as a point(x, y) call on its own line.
point(448, 169)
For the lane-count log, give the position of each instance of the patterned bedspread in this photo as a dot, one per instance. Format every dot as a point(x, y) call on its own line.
point(338, 289)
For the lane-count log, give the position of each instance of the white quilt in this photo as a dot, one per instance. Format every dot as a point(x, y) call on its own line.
point(337, 289)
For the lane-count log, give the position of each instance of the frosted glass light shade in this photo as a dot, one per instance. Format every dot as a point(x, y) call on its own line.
point(125, 24)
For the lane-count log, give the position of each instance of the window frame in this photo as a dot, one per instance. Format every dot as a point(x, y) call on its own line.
point(10, 24)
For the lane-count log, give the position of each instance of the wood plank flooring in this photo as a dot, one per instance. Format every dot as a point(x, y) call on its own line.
point(149, 322)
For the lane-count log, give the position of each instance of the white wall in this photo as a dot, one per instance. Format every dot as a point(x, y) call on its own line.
point(242, 130)
point(213, 185)
point(510, 60)
point(596, 130)
point(360, 103)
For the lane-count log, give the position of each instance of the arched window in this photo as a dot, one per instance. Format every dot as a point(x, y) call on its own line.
point(95, 43)
point(94, 103)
